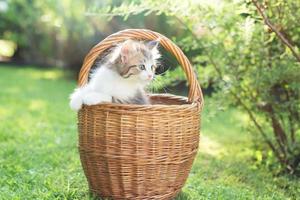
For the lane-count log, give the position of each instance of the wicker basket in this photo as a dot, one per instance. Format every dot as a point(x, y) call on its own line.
point(139, 151)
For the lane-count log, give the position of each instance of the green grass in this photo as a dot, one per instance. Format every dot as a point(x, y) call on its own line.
point(39, 158)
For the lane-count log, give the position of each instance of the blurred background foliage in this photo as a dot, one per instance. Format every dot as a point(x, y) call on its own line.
point(240, 61)
point(60, 33)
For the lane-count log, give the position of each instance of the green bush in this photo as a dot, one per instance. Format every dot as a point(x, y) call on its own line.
point(243, 60)
point(55, 33)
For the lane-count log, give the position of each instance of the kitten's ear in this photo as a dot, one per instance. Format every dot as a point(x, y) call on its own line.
point(125, 50)
point(152, 44)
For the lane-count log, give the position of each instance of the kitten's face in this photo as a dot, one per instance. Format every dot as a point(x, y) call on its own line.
point(138, 61)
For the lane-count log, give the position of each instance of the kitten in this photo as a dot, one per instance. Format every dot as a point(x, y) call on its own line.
point(122, 77)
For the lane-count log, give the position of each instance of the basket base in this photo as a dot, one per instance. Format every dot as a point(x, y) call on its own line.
point(167, 196)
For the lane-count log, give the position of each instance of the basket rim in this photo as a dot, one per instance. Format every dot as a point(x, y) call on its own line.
point(136, 107)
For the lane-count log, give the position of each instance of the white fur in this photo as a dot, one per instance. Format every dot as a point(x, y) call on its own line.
point(105, 84)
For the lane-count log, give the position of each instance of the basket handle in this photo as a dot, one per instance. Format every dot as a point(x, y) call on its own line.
point(195, 93)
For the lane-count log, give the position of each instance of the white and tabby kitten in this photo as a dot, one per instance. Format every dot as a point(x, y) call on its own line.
point(121, 79)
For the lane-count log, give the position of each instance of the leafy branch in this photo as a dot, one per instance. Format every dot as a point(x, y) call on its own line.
point(275, 30)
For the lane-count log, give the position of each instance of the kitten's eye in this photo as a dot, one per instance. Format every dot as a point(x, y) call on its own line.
point(142, 67)
point(153, 67)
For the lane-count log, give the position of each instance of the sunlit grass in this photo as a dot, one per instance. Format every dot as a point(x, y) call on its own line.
point(39, 157)
point(48, 75)
point(210, 147)
point(37, 105)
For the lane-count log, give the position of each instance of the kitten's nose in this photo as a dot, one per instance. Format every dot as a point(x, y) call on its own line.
point(150, 76)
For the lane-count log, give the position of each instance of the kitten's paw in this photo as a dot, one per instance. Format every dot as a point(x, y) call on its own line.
point(75, 104)
point(96, 98)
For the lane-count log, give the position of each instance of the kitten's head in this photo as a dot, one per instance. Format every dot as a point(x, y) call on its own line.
point(135, 60)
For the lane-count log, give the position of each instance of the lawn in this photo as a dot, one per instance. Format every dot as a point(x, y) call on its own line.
point(39, 157)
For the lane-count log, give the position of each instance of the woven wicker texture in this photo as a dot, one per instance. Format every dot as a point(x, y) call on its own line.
point(139, 151)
